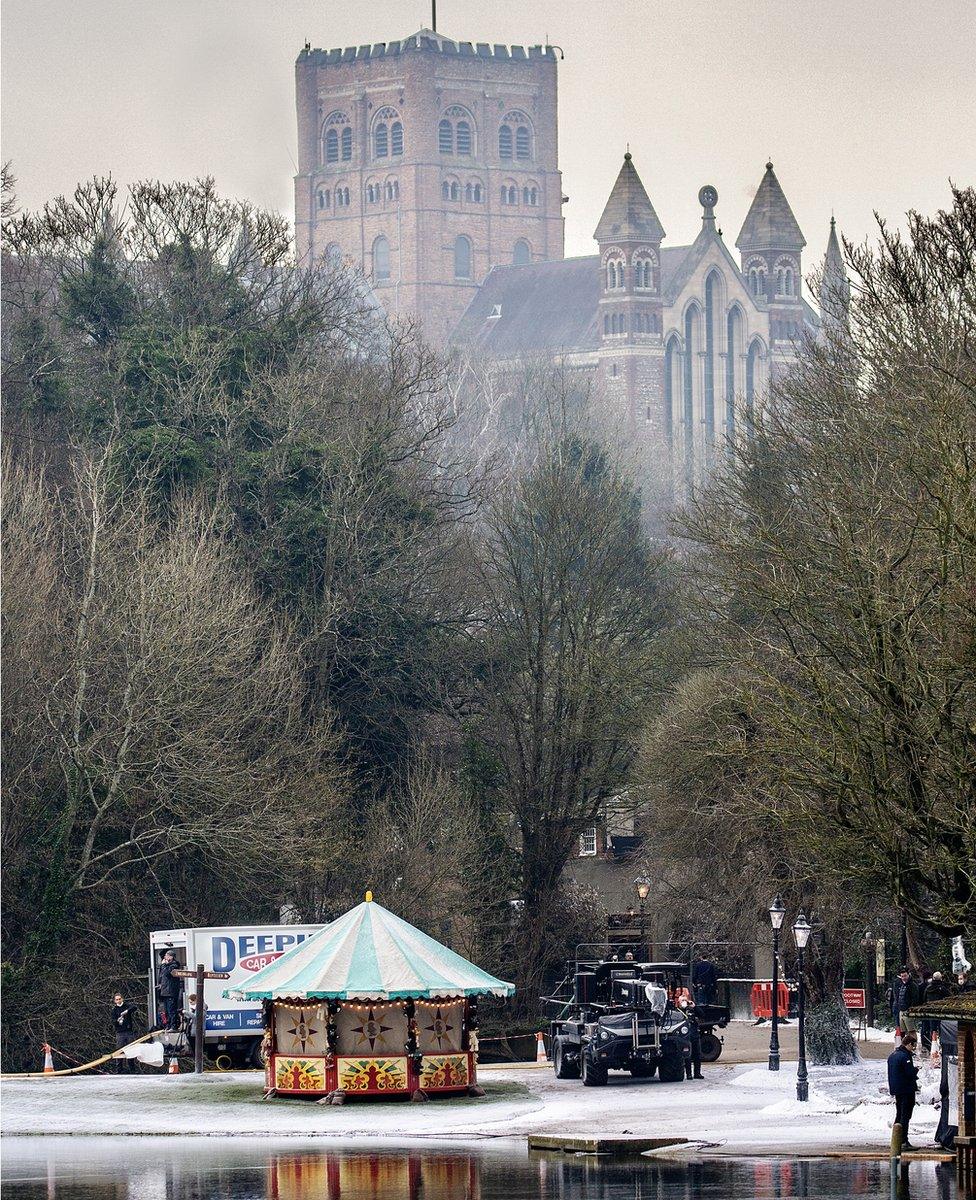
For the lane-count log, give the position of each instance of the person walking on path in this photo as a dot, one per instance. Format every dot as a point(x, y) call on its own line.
point(903, 1084)
point(904, 995)
point(123, 1014)
point(170, 988)
point(704, 980)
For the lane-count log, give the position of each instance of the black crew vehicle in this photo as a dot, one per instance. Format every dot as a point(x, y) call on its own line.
point(620, 1018)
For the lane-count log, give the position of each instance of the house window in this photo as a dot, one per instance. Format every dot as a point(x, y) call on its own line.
point(587, 842)
point(381, 258)
point(462, 257)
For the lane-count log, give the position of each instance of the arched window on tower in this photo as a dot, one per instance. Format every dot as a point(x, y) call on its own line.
point(462, 257)
point(336, 138)
point(381, 140)
point(332, 145)
point(523, 142)
point(347, 143)
point(522, 254)
point(463, 134)
point(505, 142)
point(615, 274)
point(381, 258)
point(644, 264)
point(445, 137)
point(396, 139)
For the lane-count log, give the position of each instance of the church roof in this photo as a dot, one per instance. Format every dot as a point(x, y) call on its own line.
point(546, 307)
point(770, 224)
point(629, 215)
point(369, 954)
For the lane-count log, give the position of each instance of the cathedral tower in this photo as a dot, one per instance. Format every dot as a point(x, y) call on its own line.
point(771, 244)
point(630, 310)
point(425, 162)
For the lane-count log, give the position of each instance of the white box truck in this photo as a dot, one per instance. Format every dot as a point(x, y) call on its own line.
point(233, 1027)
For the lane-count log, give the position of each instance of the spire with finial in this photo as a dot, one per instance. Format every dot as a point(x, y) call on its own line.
point(629, 215)
point(835, 286)
point(770, 223)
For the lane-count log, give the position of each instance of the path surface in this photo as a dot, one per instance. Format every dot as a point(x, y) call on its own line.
point(736, 1109)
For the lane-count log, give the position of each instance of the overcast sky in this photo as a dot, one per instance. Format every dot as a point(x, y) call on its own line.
point(861, 105)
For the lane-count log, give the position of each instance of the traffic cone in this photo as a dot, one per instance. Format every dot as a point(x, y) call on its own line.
point(540, 1049)
point(174, 1066)
point(48, 1060)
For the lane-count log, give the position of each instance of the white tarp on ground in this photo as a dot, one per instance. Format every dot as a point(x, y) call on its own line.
point(150, 1053)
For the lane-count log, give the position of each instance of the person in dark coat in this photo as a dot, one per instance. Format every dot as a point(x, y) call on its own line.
point(170, 988)
point(903, 1083)
point(123, 1014)
point(935, 989)
point(694, 1063)
point(904, 995)
point(704, 980)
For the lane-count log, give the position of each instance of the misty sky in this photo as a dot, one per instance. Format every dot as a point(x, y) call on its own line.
point(862, 105)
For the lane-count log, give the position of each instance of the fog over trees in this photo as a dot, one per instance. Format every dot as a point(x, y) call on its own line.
point(294, 606)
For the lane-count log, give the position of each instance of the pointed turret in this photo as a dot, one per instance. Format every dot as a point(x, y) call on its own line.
point(770, 224)
point(629, 215)
point(835, 287)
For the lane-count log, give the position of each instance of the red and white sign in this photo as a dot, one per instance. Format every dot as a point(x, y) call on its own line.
point(257, 962)
point(854, 998)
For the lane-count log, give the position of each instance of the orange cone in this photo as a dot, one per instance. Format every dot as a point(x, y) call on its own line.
point(174, 1066)
point(48, 1060)
point(540, 1049)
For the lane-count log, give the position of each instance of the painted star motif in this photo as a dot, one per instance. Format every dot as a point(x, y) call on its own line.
point(440, 1029)
point(371, 1031)
point(302, 1031)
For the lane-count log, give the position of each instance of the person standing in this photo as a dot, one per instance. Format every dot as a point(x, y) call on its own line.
point(904, 995)
point(935, 989)
point(693, 1064)
point(704, 980)
point(170, 989)
point(123, 1014)
point(903, 1083)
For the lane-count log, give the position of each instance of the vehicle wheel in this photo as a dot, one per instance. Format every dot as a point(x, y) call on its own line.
point(256, 1057)
point(711, 1047)
point(643, 1070)
point(671, 1069)
point(560, 1061)
point(594, 1073)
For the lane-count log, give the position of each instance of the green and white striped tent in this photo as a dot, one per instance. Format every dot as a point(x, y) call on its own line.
point(369, 954)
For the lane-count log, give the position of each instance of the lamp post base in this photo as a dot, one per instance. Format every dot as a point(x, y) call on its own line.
point(774, 1061)
point(802, 1090)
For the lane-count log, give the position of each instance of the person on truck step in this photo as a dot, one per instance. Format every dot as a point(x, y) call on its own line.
point(122, 1016)
point(170, 989)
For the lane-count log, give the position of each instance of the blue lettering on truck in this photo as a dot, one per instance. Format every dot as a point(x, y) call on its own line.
point(251, 951)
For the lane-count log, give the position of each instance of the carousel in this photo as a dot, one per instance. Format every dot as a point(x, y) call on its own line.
point(370, 1006)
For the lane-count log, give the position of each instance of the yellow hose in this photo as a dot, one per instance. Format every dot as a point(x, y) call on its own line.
point(95, 1062)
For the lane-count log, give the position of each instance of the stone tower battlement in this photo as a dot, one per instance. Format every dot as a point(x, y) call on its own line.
point(425, 162)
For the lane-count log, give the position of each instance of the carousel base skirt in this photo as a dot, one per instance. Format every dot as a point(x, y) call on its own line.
point(373, 1076)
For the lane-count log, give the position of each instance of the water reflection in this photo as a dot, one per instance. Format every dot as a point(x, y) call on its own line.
point(238, 1169)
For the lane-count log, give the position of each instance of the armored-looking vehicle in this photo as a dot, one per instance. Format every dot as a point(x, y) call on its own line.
point(620, 1017)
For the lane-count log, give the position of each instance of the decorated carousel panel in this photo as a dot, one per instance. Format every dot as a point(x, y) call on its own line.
point(370, 1006)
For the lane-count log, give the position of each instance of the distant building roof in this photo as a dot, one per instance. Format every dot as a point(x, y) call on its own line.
point(770, 224)
point(629, 215)
point(549, 306)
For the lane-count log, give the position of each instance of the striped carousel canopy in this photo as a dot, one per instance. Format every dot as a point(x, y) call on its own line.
point(369, 954)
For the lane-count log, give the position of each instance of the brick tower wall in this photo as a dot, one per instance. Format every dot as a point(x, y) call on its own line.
point(421, 79)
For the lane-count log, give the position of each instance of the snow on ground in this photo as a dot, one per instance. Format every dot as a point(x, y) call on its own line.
point(738, 1109)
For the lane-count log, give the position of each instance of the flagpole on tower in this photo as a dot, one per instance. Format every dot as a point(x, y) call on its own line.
point(433, 15)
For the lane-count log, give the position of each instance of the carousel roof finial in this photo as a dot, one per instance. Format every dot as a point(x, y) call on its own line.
point(369, 897)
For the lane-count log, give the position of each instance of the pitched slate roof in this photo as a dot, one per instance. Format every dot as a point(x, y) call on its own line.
point(770, 224)
point(369, 954)
point(629, 215)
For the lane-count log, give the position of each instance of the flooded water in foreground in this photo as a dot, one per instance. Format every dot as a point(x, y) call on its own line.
point(85, 1168)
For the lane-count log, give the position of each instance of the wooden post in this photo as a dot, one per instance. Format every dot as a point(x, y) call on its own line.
point(199, 1023)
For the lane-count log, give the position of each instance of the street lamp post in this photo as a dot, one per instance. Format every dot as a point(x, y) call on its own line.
point(642, 885)
point(801, 931)
point(777, 911)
